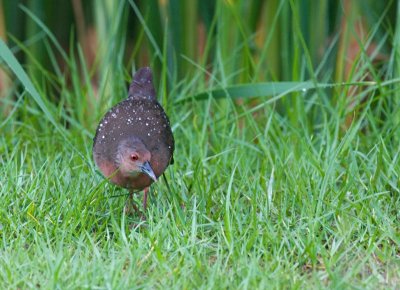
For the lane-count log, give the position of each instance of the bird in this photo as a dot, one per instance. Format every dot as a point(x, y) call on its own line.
point(134, 144)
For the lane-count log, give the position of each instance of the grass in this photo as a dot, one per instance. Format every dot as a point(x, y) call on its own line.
point(278, 191)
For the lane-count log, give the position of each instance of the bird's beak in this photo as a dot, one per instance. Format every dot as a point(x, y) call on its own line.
point(146, 168)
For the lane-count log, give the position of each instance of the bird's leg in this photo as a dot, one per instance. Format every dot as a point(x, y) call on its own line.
point(145, 191)
point(131, 204)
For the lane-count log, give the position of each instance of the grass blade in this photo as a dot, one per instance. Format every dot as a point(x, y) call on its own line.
point(266, 89)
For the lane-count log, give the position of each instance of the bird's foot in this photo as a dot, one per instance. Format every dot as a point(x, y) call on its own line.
point(131, 208)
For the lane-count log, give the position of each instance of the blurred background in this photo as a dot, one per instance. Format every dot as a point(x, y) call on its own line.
point(85, 52)
point(258, 40)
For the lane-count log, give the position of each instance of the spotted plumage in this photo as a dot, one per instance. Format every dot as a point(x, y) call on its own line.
point(134, 137)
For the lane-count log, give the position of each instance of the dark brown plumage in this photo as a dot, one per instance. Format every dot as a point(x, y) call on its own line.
point(134, 144)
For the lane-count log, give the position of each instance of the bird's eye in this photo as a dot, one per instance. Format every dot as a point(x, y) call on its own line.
point(134, 157)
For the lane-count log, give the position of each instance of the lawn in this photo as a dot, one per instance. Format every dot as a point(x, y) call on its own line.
point(284, 177)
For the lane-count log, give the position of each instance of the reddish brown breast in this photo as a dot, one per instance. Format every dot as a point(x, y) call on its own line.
point(110, 171)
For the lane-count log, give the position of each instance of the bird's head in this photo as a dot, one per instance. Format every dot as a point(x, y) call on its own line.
point(133, 158)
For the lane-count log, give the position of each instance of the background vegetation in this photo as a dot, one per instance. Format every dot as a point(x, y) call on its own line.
point(286, 120)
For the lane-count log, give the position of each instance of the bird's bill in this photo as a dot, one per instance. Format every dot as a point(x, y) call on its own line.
point(146, 168)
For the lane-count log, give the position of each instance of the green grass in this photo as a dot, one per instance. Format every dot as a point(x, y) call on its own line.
point(273, 192)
